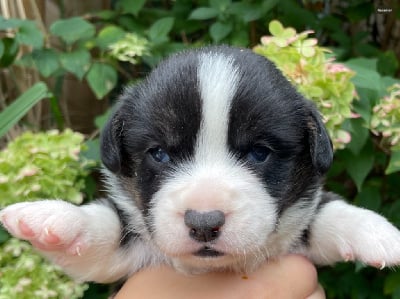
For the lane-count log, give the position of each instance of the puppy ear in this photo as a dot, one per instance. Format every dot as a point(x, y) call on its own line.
point(321, 149)
point(110, 144)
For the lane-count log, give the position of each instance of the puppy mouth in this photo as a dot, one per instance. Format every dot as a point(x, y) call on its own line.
point(208, 252)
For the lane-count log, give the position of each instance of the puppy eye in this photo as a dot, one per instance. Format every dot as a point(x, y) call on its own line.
point(159, 155)
point(258, 154)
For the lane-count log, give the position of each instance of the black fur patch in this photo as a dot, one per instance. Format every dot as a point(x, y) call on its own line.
point(305, 237)
point(165, 111)
point(267, 110)
point(126, 234)
point(326, 197)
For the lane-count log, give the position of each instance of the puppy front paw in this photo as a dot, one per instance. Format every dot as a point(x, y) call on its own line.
point(375, 242)
point(343, 232)
point(83, 240)
point(49, 225)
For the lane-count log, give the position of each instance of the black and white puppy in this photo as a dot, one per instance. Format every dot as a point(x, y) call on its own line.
point(213, 162)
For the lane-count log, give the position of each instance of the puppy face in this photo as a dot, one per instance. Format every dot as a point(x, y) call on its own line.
point(216, 149)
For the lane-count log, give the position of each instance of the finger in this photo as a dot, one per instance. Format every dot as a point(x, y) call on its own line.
point(293, 273)
point(318, 294)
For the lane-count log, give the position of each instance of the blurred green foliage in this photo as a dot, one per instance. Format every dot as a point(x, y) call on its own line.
point(37, 166)
point(43, 165)
point(26, 275)
point(317, 77)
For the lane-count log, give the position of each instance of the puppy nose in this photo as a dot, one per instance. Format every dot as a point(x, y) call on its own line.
point(204, 226)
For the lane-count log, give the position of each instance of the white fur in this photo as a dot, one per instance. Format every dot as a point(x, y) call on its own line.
point(218, 79)
point(292, 223)
point(214, 181)
point(88, 247)
point(344, 232)
point(250, 214)
point(126, 204)
point(89, 236)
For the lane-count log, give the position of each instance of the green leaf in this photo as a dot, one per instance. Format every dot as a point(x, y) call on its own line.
point(278, 31)
point(252, 15)
point(203, 13)
point(26, 61)
point(268, 5)
point(366, 75)
point(30, 34)
point(106, 15)
point(13, 113)
point(359, 135)
point(392, 283)
point(77, 62)
point(394, 163)
point(315, 92)
point(9, 23)
point(363, 63)
point(101, 120)
point(10, 51)
point(56, 110)
point(73, 29)
point(275, 28)
point(93, 150)
point(368, 83)
point(101, 78)
point(1, 48)
point(369, 198)
point(396, 294)
point(219, 31)
point(158, 32)
point(109, 35)
point(46, 61)
point(246, 11)
point(387, 63)
point(387, 82)
point(240, 38)
point(132, 6)
point(306, 47)
point(359, 166)
point(4, 236)
point(359, 266)
point(358, 11)
point(220, 5)
point(365, 103)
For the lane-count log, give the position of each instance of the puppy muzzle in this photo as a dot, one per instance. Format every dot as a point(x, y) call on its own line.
point(204, 226)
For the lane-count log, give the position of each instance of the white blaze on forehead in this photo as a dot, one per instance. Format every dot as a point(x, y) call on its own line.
point(214, 180)
point(218, 79)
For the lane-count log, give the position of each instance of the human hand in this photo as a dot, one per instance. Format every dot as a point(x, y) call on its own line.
point(291, 277)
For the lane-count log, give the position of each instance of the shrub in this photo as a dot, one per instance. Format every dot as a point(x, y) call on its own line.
point(32, 167)
point(317, 77)
point(386, 119)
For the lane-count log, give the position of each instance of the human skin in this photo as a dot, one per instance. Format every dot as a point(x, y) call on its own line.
point(291, 277)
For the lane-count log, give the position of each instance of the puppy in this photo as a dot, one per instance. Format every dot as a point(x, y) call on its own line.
point(214, 162)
